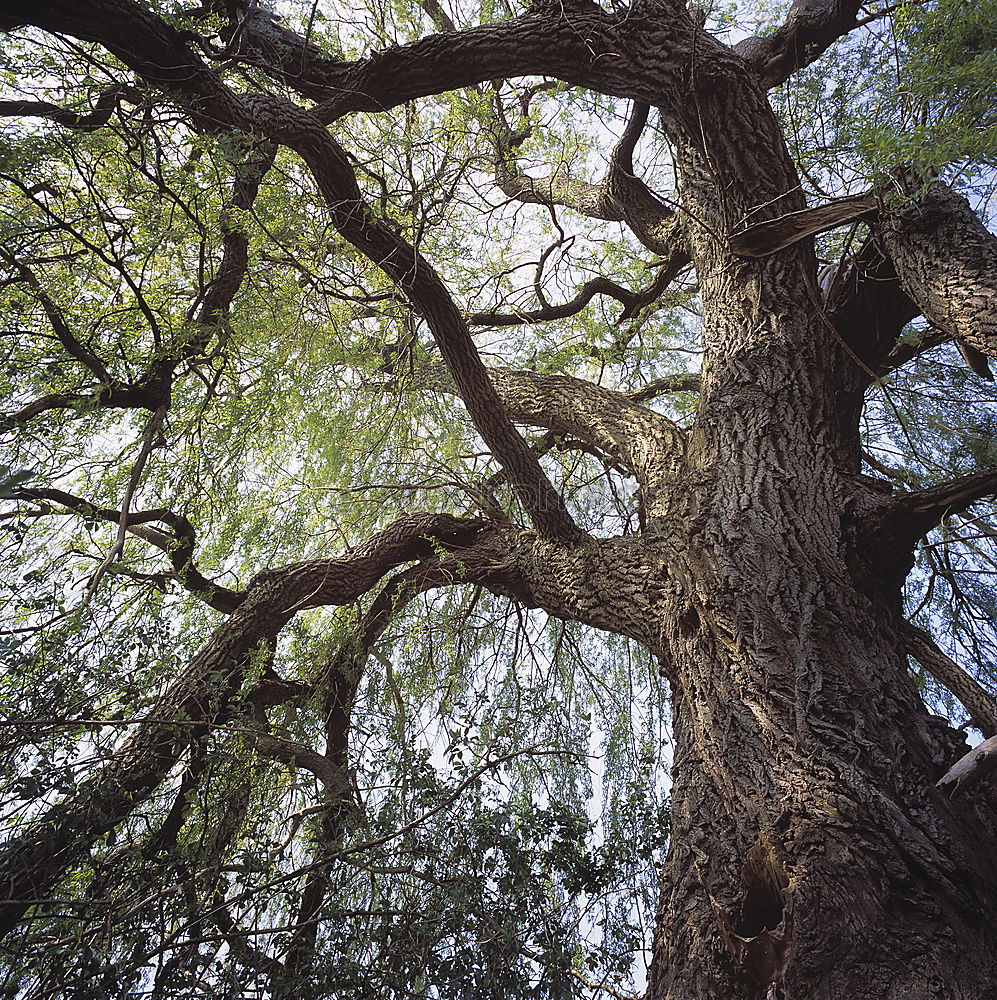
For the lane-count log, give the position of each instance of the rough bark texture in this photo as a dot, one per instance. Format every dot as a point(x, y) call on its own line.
point(947, 263)
point(812, 855)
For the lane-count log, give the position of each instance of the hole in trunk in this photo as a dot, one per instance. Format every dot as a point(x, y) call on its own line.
point(689, 623)
point(765, 881)
point(758, 929)
point(761, 910)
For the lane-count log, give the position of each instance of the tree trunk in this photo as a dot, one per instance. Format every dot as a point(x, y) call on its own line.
point(811, 851)
point(812, 855)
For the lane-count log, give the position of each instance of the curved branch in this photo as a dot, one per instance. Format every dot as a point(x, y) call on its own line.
point(179, 546)
point(620, 177)
point(632, 302)
point(982, 707)
point(810, 28)
point(91, 121)
point(208, 315)
point(70, 342)
point(35, 859)
point(414, 70)
point(620, 197)
point(946, 260)
point(335, 780)
point(338, 681)
point(918, 512)
point(429, 296)
point(209, 312)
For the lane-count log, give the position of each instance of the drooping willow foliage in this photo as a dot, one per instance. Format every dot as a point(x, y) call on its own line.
point(506, 798)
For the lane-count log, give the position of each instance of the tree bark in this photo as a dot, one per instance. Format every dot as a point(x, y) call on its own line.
point(812, 854)
point(947, 263)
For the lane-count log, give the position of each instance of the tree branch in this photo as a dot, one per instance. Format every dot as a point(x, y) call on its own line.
point(70, 342)
point(34, 859)
point(210, 310)
point(946, 260)
point(647, 443)
point(915, 514)
point(134, 478)
point(968, 770)
point(179, 546)
point(810, 28)
point(632, 303)
point(620, 197)
point(765, 238)
point(670, 383)
point(335, 780)
point(208, 314)
point(429, 296)
point(339, 681)
point(91, 121)
point(981, 705)
point(159, 52)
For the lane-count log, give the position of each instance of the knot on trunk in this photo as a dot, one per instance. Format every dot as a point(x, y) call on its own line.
point(758, 928)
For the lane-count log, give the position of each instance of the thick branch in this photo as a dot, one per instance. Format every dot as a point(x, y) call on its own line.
point(968, 770)
point(765, 238)
point(982, 707)
point(34, 860)
point(947, 263)
point(335, 780)
point(810, 28)
point(644, 441)
point(580, 196)
point(915, 514)
point(647, 443)
point(621, 182)
point(406, 72)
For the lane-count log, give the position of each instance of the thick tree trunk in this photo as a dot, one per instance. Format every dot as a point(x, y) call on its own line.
point(812, 855)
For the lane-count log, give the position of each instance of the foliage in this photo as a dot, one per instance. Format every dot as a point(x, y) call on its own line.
point(508, 802)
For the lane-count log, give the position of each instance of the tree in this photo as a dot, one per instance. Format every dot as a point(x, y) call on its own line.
point(244, 257)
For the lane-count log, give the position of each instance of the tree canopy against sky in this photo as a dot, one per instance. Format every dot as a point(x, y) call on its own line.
point(436, 434)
